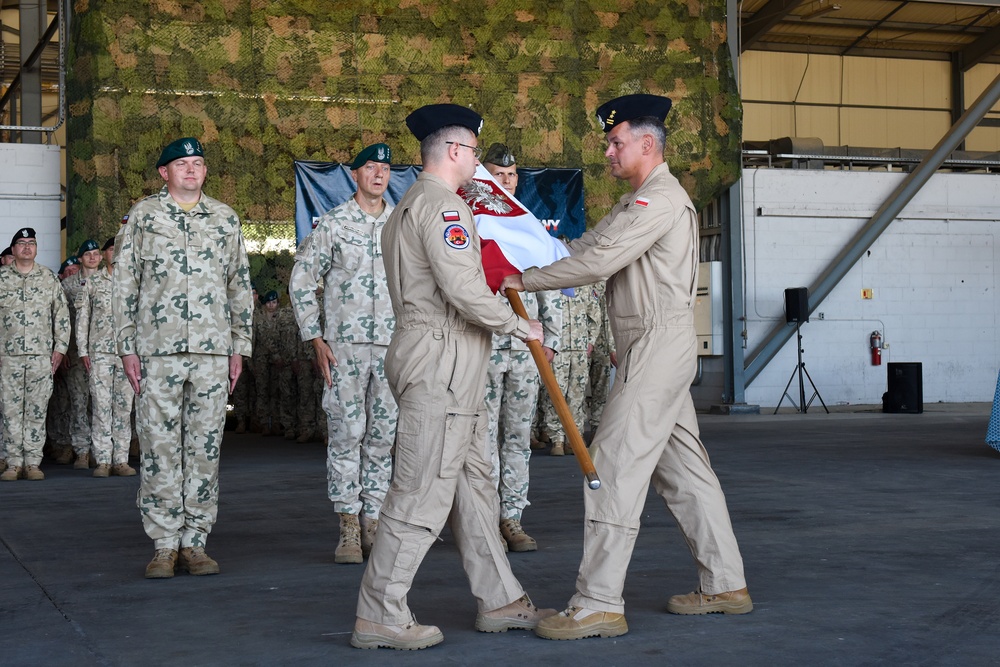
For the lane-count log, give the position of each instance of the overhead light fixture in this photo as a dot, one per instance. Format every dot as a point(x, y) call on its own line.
point(823, 9)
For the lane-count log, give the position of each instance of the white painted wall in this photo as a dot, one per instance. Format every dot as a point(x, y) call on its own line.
point(933, 274)
point(30, 197)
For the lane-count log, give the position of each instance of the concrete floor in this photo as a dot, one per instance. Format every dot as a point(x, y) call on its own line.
point(868, 539)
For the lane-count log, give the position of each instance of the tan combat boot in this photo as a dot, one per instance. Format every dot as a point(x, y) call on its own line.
point(517, 540)
point(730, 602)
point(409, 637)
point(578, 623)
point(33, 473)
point(64, 456)
point(102, 470)
point(82, 462)
point(368, 529)
point(122, 470)
point(349, 548)
point(558, 448)
point(163, 564)
point(520, 614)
point(11, 474)
point(197, 562)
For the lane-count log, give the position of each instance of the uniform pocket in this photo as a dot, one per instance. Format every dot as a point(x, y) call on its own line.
point(408, 465)
point(353, 249)
point(459, 431)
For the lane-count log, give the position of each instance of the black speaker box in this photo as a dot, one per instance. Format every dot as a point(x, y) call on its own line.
point(796, 304)
point(906, 388)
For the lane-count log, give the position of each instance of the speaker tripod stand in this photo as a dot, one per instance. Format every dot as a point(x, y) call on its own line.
point(800, 369)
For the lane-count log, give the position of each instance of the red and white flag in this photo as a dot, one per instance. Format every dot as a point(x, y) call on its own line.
point(512, 238)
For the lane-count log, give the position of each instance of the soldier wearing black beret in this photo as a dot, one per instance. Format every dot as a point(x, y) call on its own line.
point(648, 246)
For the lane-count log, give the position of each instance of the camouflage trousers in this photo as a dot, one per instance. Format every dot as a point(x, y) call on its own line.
point(573, 375)
point(111, 396)
point(180, 416)
point(26, 385)
point(242, 395)
point(512, 384)
point(284, 384)
point(361, 428)
point(57, 419)
point(600, 383)
point(305, 381)
point(267, 394)
point(79, 406)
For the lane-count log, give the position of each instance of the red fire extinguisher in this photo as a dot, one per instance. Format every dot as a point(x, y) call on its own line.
point(876, 344)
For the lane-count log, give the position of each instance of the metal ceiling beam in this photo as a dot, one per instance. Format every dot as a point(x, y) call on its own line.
point(764, 19)
point(875, 26)
point(871, 230)
point(986, 45)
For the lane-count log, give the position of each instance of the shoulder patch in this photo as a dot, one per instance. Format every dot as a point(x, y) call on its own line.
point(641, 201)
point(125, 218)
point(456, 237)
point(451, 216)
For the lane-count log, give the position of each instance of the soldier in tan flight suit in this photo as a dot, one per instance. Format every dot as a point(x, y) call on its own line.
point(647, 248)
point(436, 366)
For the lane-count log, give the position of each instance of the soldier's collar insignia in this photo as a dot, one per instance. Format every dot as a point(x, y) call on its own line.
point(455, 236)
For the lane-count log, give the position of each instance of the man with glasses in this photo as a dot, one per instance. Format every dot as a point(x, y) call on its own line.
point(436, 365)
point(34, 336)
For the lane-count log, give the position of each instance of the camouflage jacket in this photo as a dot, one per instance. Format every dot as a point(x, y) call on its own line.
point(34, 315)
point(73, 286)
point(182, 280)
point(95, 319)
point(581, 318)
point(287, 335)
point(546, 307)
point(266, 332)
point(345, 252)
point(605, 341)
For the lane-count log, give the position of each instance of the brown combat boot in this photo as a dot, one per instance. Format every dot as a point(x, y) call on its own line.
point(730, 602)
point(3, 465)
point(122, 470)
point(409, 637)
point(197, 562)
point(33, 473)
point(11, 474)
point(82, 462)
point(349, 548)
point(517, 540)
point(163, 564)
point(558, 448)
point(520, 614)
point(102, 470)
point(368, 529)
point(64, 456)
point(304, 437)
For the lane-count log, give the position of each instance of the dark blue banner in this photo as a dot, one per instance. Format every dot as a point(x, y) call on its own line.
point(554, 196)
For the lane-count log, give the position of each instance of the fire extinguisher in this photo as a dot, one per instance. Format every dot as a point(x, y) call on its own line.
point(876, 345)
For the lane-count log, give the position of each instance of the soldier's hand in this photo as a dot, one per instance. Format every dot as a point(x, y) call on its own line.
point(514, 281)
point(133, 370)
point(86, 363)
point(324, 359)
point(57, 359)
point(535, 331)
point(590, 349)
point(549, 353)
point(614, 359)
point(235, 369)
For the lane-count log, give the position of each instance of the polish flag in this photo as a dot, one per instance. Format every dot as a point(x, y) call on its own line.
point(512, 238)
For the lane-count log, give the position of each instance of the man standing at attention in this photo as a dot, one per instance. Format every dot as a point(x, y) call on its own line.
point(648, 246)
point(34, 336)
point(436, 367)
point(183, 316)
point(344, 251)
point(80, 437)
point(512, 386)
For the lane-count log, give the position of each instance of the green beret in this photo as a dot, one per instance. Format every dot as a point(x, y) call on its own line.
point(87, 246)
point(70, 261)
point(183, 147)
point(270, 296)
point(630, 107)
point(375, 153)
point(499, 155)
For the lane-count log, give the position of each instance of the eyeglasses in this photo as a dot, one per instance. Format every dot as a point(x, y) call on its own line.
point(25, 243)
point(476, 150)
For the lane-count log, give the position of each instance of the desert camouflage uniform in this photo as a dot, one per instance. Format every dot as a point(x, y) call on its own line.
point(283, 370)
point(581, 321)
point(600, 361)
point(110, 392)
point(304, 368)
point(77, 384)
point(345, 251)
point(182, 302)
point(265, 350)
point(57, 417)
point(34, 323)
point(512, 386)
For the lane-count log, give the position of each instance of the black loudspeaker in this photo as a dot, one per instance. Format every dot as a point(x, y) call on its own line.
point(906, 388)
point(796, 304)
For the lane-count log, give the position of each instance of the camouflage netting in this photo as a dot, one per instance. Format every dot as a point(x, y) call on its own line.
point(263, 83)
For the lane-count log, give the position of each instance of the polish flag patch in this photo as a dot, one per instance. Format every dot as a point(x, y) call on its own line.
point(451, 216)
point(641, 202)
point(125, 219)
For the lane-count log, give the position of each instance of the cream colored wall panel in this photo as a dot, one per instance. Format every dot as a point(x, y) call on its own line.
point(915, 129)
point(822, 122)
point(976, 81)
point(894, 82)
point(821, 83)
point(984, 139)
point(864, 127)
point(767, 121)
point(771, 76)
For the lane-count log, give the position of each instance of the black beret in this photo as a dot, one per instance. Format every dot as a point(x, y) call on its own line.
point(427, 120)
point(6, 251)
point(270, 296)
point(183, 147)
point(110, 243)
point(630, 107)
point(375, 153)
point(499, 155)
point(22, 233)
point(88, 245)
